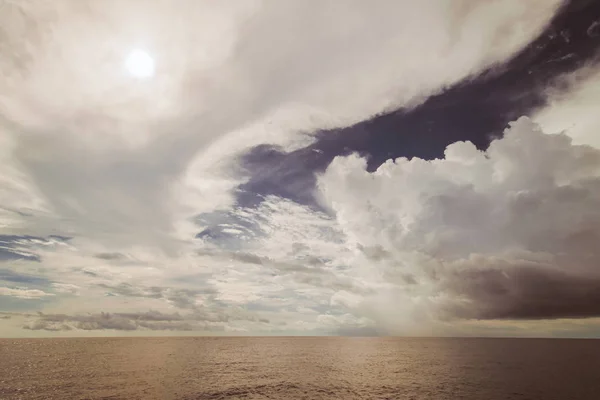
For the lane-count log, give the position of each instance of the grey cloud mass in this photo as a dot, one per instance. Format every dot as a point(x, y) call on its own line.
point(239, 188)
point(523, 290)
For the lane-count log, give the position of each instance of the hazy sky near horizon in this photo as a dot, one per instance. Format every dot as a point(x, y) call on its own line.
point(299, 167)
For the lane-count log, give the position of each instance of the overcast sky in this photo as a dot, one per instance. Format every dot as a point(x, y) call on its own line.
point(299, 167)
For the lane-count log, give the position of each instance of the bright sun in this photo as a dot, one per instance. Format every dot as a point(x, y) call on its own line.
point(140, 64)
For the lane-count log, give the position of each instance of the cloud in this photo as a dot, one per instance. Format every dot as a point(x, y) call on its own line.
point(183, 298)
point(24, 293)
point(93, 153)
point(571, 108)
point(139, 179)
point(347, 324)
point(131, 321)
point(67, 288)
point(510, 233)
point(521, 289)
point(110, 256)
point(84, 322)
point(503, 234)
point(17, 247)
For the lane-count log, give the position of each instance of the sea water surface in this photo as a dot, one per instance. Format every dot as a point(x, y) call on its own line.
point(299, 368)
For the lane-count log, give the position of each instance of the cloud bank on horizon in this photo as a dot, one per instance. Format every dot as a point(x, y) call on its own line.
point(118, 196)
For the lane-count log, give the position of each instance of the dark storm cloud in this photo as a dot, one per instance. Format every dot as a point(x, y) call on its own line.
point(524, 292)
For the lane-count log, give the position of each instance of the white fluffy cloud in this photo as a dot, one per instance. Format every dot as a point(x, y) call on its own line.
point(509, 233)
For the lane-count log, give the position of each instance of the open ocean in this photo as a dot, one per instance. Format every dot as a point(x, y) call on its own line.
point(299, 368)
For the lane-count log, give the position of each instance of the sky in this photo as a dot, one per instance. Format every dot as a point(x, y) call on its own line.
point(327, 167)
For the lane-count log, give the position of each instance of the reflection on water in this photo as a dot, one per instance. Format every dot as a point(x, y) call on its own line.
point(299, 368)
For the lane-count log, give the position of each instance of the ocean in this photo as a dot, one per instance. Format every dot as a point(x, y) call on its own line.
point(299, 368)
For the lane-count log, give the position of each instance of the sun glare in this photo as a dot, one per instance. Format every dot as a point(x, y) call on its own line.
point(140, 64)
